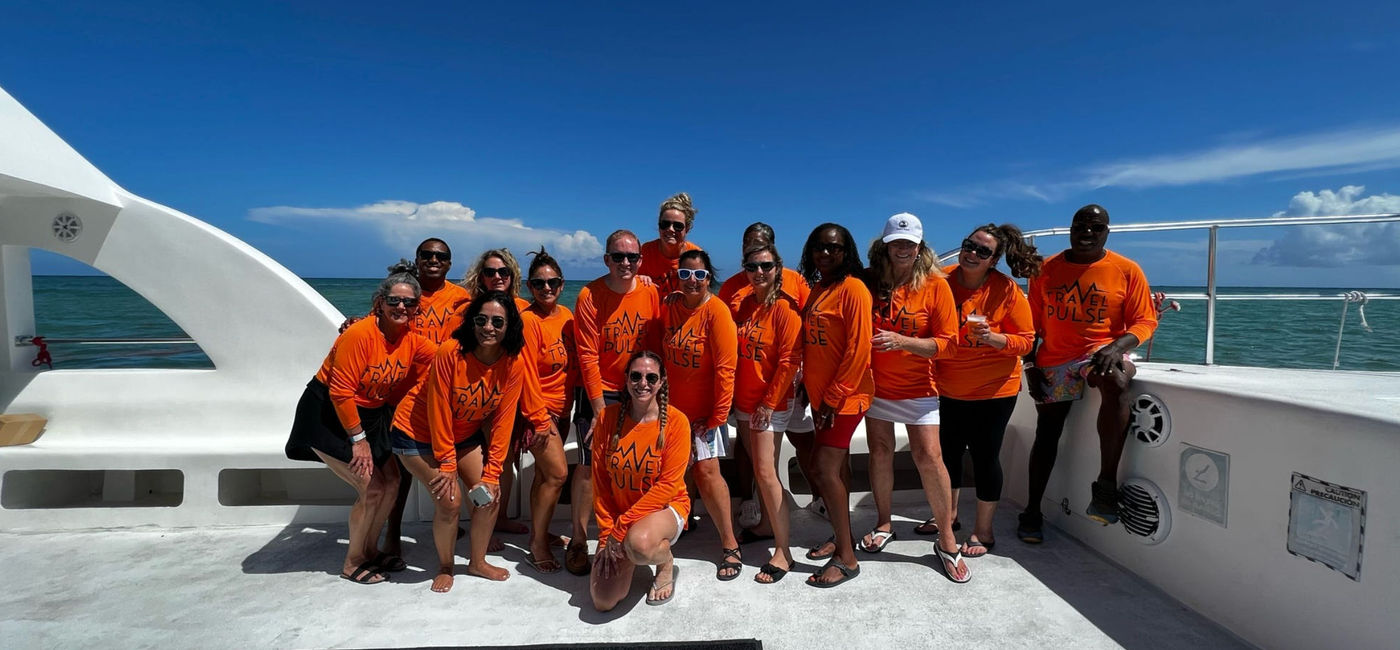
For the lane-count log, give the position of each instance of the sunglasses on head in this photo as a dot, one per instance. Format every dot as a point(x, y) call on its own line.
point(541, 283)
point(631, 258)
point(395, 301)
point(829, 249)
point(678, 226)
point(752, 267)
point(497, 322)
point(1095, 228)
point(495, 272)
point(969, 246)
point(637, 377)
point(698, 274)
point(442, 256)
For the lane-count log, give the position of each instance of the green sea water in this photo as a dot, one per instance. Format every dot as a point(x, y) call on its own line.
point(1274, 333)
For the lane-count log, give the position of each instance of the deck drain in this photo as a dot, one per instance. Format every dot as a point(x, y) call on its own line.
point(1143, 510)
point(1151, 423)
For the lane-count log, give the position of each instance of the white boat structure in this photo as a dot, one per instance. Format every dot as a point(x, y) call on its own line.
point(1263, 500)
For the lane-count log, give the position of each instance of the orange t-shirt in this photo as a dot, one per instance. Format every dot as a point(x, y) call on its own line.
point(926, 313)
point(662, 269)
point(793, 284)
point(770, 352)
point(638, 477)
point(699, 347)
point(438, 312)
point(549, 344)
point(836, 347)
point(365, 369)
point(975, 370)
point(460, 397)
point(1079, 308)
point(608, 328)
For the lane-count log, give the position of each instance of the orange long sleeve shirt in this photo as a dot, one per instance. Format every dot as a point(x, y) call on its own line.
point(1079, 308)
point(365, 369)
point(608, 328)
point(926, 313)
point(662, 269)
point(975, 370)
point(836, 347)
point(638, 477)
point(770, 352)
point(549, 344)
point(437, 312)
point(700, 349)
point(793, 284)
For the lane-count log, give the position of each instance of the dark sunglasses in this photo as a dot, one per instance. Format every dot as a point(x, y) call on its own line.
point(497, 322)
point(632, 258)
point(969, 246)
point(760, 266)
point(395, 301)
point(698, 274)
point(637, 377)
point(495, 271)
point(1095, 228)
point(829, 249)
point(442, 256)
point(678, 226)
point(541, 283)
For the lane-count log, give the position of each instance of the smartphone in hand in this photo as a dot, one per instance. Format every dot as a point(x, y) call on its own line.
point(480, 496)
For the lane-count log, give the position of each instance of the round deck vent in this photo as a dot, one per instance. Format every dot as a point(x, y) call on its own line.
point(1151, 423)
point(1143, 510)
point(67, 227)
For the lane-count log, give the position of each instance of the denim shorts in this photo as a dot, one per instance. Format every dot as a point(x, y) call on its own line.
point(405, 445)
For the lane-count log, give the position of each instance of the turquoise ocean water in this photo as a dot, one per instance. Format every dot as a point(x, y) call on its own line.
point(1279, 334)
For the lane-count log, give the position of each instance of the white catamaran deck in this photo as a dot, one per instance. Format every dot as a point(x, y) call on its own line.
point(274, 586)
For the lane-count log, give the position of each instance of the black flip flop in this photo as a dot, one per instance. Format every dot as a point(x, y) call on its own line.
point(724, 564)
point(930, 527)
point(846, 574)
point(774, 573)
point(389, 563)
point(364, 575)
point(812, 552)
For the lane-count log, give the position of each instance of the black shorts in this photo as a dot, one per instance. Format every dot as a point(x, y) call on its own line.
point(583, 418)
point(317, 427)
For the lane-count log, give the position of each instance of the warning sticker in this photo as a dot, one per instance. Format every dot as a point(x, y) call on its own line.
point(1327, 524)
point(1204, 484)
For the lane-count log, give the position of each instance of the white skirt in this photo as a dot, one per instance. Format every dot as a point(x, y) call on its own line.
point(919, 410)
point(779, 421)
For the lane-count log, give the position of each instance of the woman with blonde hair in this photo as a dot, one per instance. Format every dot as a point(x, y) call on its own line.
point(661, 256)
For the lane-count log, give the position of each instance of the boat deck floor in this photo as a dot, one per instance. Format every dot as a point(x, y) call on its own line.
point(278, 586)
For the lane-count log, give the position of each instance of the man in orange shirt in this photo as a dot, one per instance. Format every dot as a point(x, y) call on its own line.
point(661, 256)
point(1091, 306)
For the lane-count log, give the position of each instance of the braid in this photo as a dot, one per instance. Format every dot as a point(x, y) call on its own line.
point(662, 398)
point(624, 407)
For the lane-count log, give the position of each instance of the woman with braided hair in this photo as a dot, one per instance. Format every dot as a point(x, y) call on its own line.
point(640, 451)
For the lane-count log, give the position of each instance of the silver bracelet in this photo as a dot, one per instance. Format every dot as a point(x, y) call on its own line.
point(357, 437)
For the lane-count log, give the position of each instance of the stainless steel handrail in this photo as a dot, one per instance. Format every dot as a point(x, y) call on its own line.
point(29, 340)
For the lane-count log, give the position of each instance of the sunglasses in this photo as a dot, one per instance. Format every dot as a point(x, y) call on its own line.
point(395, 301)
point(678, 226)
point(631, 258)
point(637, 377)
point(1095, 228)
point(495, 272)
point(698, 274)
point(540, 283)
point(752, 267)
point(497, 322)
point(442, 256)
point(829, 249)
point(969, 246)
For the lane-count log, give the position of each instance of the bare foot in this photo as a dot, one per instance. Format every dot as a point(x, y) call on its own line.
point(822, 551)
point(975, 547)
point(442, 583)
point(495, 545)
point(486, 570)
point(511, 527)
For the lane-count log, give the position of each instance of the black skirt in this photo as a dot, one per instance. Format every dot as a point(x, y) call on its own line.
point(317, 427)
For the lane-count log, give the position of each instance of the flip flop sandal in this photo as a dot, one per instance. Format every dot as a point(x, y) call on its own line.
point(365, 574)
point(774, 574)
point(390, 563)
point(930, 527)
point(547, 565)
point(675, 571)
point(576, 559)
point(725, 565)
point(812, 552)
point(945, 558)
point(971, 544)
point(747, 536)
point(846, 574)
point(880, 537)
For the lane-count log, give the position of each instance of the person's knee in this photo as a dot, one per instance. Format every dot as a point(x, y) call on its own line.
point(640, 544)
point(706, 471)
point(603, 603)
point(765, 472)
point(551, 475)
point(880, 441)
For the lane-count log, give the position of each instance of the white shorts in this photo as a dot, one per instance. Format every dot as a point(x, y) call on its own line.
point(919, 410)
point(680, 525)
point(778, 422)
point(710, 443)
point(799, 419)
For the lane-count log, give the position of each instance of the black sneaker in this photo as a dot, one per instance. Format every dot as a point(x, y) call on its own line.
point(1031, 527)
point(1103, 508)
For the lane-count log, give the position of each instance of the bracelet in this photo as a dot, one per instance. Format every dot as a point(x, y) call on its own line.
point(357, 437)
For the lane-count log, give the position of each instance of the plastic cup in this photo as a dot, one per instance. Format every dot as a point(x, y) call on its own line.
point(976, 318)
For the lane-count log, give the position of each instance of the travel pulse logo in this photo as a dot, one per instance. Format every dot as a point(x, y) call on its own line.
point(556, 354)
point(904, 321)
point(751, 343)
point(1077, 304)
point(622, 334)
point(475, 400)
point(379, 380)
point(634, 469)
point(684, 346)
point(430, 320)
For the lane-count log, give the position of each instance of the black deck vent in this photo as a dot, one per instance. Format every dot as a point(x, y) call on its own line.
point(1143, 510)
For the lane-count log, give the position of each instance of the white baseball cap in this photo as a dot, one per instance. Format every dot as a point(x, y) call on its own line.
point(903, 226)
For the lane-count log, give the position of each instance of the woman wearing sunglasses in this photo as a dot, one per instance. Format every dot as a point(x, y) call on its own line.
point(549, 344)
point(836, 376)
point(457, 425)
point(343, 417)
point(661, 256)
point(699, 347)
point(770, 352)
point(980, 380)
point(642, 448)
point(914, 323)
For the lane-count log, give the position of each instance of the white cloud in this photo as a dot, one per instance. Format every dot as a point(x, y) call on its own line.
point(1342, 245)
point(405, 223)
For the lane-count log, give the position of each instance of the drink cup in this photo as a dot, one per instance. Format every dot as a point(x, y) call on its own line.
point(976, 318)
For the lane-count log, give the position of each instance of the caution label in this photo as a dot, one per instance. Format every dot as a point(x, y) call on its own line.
point(1327, 524)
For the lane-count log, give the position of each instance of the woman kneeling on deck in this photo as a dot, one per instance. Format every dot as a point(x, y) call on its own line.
point(343, 417)
point(477, 383)
point(640, 453)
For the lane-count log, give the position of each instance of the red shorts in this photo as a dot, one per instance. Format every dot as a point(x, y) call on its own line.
point(842, 428)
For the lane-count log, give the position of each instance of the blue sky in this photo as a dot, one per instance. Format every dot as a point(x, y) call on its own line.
point(334, 136)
